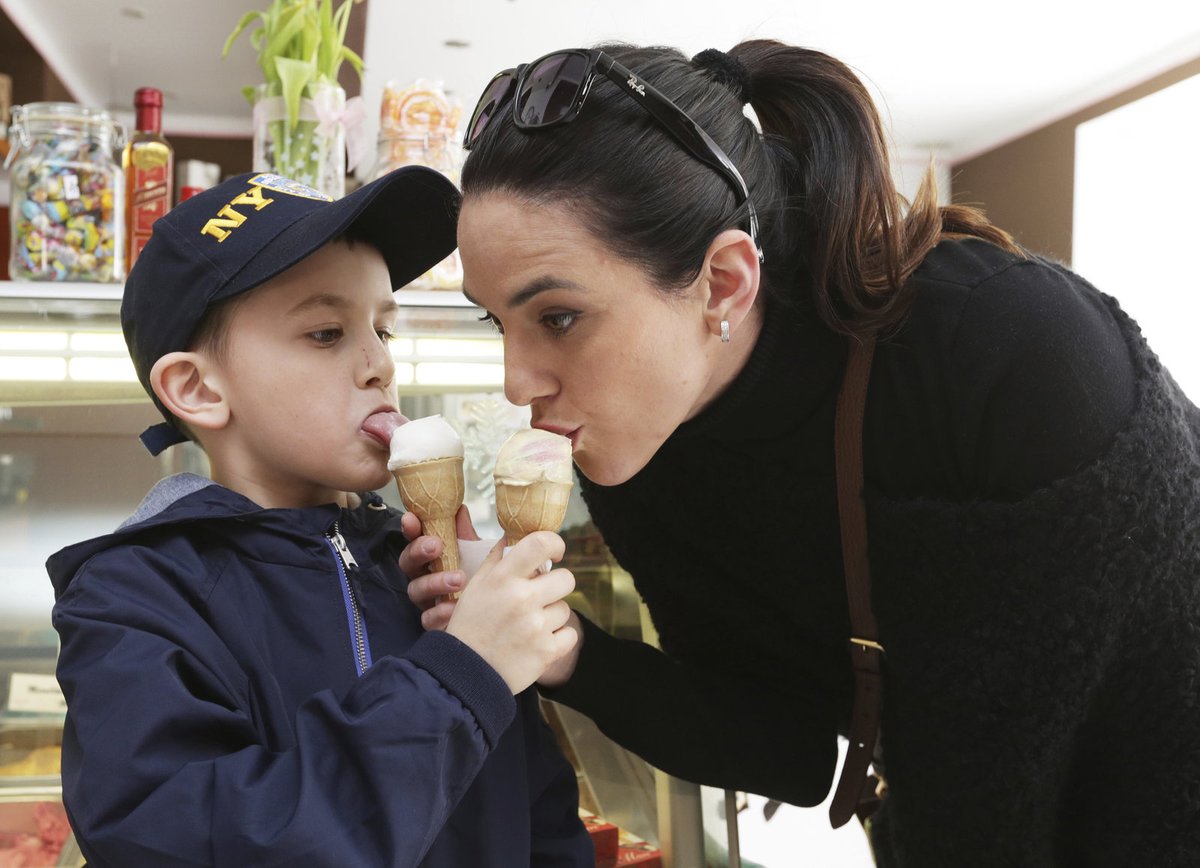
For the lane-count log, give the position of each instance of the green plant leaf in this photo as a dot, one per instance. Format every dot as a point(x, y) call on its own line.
point(241, 25)
point(298, 42)
point(310, 37)
point(342, 20)
point(294, 76)
point(288, 25)
point(353, 59)
point(327, 50)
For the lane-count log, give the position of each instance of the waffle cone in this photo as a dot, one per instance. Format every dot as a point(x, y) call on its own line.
point(433, 491)
point(522, 509)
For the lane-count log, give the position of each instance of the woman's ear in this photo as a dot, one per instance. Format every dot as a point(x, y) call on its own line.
point(188, 387)
point(731, 273)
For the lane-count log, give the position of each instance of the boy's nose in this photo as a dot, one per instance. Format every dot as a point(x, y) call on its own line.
point(377, 367)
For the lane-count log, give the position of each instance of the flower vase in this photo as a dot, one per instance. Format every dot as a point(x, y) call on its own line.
point(313, 151)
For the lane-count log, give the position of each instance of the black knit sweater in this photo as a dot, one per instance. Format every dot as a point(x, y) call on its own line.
point(1033, 499)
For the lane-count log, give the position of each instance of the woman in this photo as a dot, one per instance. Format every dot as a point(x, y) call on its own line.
point(677, 292)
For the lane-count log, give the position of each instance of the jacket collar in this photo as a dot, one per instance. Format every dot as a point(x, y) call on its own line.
point(186, 498)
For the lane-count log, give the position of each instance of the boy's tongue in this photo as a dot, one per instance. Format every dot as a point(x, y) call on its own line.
point(381, 425)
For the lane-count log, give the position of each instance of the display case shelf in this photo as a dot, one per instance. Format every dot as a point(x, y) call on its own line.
point(54, 290)
point(61, 343)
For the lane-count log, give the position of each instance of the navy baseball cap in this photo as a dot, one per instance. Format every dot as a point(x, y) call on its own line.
point(241, 233)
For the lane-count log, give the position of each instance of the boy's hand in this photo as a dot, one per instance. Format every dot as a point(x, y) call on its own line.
point(514, 617)
point(425, 588)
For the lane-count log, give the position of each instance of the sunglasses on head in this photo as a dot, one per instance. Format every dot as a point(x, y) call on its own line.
point(553, 88)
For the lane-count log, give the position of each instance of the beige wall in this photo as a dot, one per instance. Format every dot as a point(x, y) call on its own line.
point(1028, 185)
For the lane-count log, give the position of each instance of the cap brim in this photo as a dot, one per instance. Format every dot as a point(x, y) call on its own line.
point(410, 215)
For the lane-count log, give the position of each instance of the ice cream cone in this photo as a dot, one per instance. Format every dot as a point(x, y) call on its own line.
point(433, 491)
point(522, 509)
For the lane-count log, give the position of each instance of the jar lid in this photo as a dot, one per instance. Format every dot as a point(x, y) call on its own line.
point(62, 118)
point(65, 112)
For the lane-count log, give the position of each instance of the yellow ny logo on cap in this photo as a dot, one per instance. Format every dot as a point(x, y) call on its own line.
point(228, 219)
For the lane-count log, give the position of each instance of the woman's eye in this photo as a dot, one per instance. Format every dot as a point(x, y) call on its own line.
point(386, 335)
point(495, 323)
point(559, 323)
point(325, 337)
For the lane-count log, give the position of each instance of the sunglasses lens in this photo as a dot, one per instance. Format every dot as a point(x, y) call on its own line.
point(551, 88)
point(493, 98)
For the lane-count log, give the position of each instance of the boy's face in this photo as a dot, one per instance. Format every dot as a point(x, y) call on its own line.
point(307, 361)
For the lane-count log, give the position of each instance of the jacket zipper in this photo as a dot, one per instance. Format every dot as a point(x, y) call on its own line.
point(360, 646)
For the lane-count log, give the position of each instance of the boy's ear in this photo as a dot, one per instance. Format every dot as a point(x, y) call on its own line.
point(731, 273)
point(188, 387)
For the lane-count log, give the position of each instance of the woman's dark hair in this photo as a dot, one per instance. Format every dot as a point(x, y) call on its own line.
point(833, 227)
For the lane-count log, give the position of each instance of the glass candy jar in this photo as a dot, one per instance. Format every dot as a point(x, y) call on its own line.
point(67, 200)
point(437, 151)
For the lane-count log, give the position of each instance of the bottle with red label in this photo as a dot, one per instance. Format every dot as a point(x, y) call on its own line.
point(149, 164)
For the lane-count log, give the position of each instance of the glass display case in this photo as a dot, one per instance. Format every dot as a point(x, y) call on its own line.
point(71, 467)
point(33, 824)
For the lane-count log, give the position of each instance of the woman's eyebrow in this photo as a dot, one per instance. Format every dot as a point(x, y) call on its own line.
point(540, 285)
point(535, 286)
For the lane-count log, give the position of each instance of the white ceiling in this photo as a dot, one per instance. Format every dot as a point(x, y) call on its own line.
point(953, 80)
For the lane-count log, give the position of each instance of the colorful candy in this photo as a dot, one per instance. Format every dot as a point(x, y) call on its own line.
point(66, 198)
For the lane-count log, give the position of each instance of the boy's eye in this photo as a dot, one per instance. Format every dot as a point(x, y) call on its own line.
point(488, 317)
point(559, 322)
point(326, 336)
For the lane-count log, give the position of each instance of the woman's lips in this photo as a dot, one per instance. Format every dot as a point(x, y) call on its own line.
point(571, 433)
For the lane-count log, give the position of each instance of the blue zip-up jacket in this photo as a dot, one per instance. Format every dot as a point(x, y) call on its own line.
point(240, 692)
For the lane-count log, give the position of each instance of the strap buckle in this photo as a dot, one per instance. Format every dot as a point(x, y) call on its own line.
point(866, 655)
point(867, 643)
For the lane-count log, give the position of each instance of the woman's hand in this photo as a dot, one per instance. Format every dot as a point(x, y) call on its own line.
point(560, 671)
point(428, 590)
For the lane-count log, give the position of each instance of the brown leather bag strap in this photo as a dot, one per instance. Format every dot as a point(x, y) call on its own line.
point(865, 651)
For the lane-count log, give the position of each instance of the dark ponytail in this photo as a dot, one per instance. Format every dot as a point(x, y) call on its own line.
point(832, 223)
point(857, 247)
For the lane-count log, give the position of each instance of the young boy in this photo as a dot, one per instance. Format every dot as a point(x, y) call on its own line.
point(247, 683)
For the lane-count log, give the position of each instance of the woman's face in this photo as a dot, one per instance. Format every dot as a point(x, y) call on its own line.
point(590, 344)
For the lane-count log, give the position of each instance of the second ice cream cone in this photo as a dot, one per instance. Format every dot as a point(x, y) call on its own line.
point(523, 509)
point(433, 491)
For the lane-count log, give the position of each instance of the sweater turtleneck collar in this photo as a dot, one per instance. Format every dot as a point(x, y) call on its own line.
point(794, 365)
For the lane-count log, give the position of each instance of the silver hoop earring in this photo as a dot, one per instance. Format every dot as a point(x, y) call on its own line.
point(724, 331)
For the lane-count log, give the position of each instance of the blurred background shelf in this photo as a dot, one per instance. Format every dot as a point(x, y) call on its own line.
point(64, 291)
